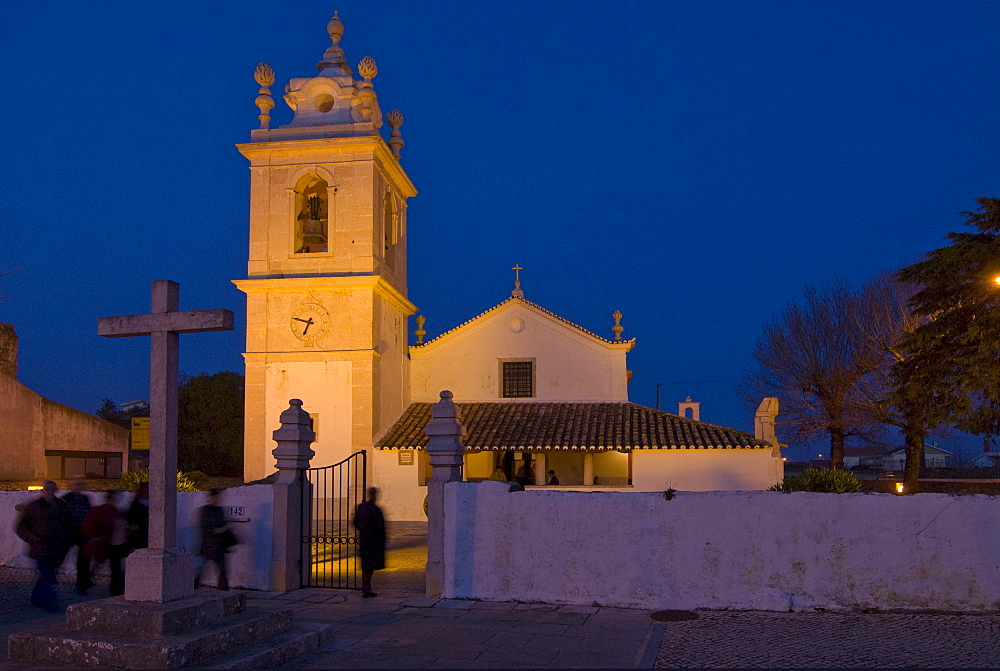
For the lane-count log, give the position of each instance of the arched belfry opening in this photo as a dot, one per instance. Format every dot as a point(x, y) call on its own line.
point(690, 409)
point(312, 215)
point(390, 229)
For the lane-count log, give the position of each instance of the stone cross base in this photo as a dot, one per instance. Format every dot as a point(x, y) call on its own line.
point(159, 575)
point(214, 628)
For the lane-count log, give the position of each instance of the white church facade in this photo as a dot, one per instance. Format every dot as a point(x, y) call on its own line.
point(327, 316)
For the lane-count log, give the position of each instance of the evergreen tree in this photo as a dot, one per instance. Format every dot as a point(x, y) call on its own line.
point(954, 358)
point(210, 424)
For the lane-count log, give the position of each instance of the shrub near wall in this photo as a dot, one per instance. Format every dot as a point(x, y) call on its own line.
point(735, 550)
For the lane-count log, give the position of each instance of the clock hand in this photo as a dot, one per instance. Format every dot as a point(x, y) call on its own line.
point(308, 322)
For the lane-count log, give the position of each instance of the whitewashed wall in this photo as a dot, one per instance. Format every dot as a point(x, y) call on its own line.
point(249, 562)
point(400, 495)
point(735, 550)
point(706, 470)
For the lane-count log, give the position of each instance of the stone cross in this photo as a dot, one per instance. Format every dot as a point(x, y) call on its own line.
point(163, 324)
point(517, 293)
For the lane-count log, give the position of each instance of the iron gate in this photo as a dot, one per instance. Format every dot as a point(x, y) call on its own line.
point(328, 502)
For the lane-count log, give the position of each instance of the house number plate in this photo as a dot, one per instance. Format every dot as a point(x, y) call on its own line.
point(237, 514)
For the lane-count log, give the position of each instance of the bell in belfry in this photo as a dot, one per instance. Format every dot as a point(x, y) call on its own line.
point(312, 233)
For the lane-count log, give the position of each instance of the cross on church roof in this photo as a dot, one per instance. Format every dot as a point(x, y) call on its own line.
point(517, 293)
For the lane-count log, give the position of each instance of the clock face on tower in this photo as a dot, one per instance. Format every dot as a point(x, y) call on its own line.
point(310, 322)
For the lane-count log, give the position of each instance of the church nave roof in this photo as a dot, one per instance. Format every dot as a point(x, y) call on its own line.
point(568, 426)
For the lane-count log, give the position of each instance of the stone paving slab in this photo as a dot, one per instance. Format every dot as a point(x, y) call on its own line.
point(415, 632)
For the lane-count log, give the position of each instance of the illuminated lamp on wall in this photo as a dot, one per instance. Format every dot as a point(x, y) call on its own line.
point(34, 488)
point(900, 488)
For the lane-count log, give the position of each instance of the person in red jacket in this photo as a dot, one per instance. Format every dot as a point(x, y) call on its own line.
point(106, 528)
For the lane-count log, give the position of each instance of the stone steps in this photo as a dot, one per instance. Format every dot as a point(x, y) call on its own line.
point(302, 639)
point(118, 616)
point(63, 645)
point(215, 630)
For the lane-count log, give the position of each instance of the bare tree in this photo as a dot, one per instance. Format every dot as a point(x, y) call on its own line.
point(812, 357)
point(889, 394)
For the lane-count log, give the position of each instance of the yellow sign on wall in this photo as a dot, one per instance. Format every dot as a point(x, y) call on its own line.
point(140, 433)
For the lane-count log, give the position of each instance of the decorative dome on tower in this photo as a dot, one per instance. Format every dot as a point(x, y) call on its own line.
point(333, 103)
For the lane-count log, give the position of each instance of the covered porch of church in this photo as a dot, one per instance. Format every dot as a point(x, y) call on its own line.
point(551, 468)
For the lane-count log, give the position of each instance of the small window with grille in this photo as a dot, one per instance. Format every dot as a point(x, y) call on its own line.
point(518, 379)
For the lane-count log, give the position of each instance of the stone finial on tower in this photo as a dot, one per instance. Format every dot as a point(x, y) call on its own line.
point(366, 91)
point(395, 120)
point(368, 68)
point(420, 332)
point(264, 76)
point(617, 328)
point(517, 293)
point(334, 57)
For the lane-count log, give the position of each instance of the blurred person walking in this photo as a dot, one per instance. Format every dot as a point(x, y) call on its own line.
point(370, 523)
point(137, 517)
point(216, 539)
point(46, 525)
point(106, 528)
point(79, 505)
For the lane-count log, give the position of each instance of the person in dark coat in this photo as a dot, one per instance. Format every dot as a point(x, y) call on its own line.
point(79, 505)
point(46, 525)
point(137, 517)
point(105, 528)
point(370, 523)
point(216, 538)
point(553, 480)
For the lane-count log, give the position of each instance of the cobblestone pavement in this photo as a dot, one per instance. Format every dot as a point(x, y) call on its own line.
point(749, 639)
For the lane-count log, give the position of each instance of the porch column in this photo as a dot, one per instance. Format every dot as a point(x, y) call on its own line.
point(446, 452)
point(539, 460)
point(289, 553)
point(588, 468)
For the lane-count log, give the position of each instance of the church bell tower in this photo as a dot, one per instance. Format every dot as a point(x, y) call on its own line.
point(326, 288)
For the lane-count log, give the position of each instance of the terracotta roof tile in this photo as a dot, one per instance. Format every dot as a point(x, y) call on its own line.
point(568, 426)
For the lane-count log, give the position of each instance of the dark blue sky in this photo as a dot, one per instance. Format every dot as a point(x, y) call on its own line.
point(691, 164)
